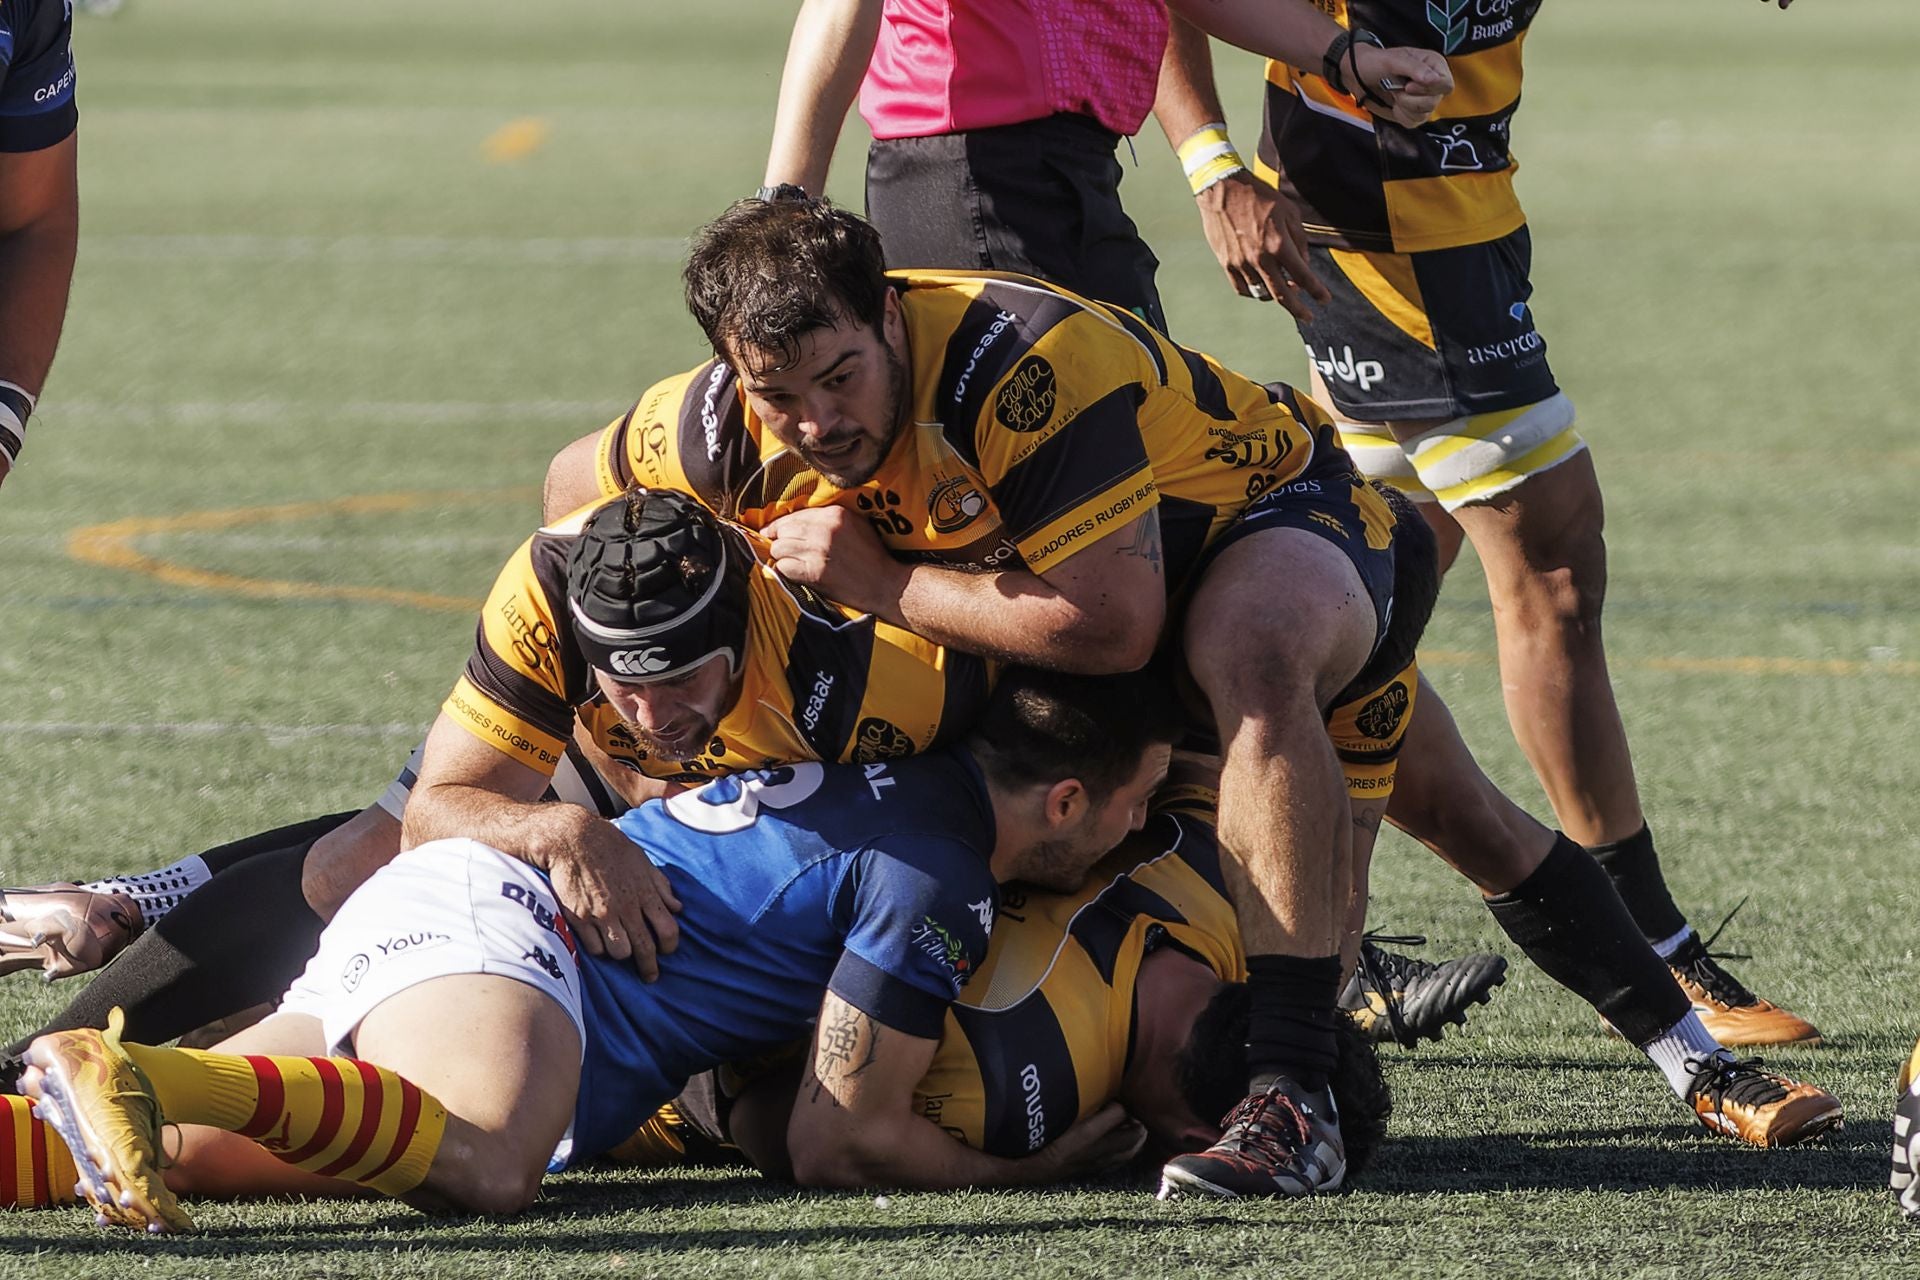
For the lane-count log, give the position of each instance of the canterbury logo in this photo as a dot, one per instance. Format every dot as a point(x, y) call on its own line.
point(638, 662)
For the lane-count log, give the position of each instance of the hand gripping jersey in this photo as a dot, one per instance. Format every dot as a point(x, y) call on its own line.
point(1039, 422)
point(871, 881)
point(1039, 1038)
point(36, 74)
point(1366, 183)
point(820, 682)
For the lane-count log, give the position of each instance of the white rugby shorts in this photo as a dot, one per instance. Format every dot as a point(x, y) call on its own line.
point(447, 907)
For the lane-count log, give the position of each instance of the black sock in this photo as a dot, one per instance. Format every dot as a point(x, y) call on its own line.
point(220, 857)
point(1572, 924)
point(1634, 868)
point(238, 941)
point(1290, 1018)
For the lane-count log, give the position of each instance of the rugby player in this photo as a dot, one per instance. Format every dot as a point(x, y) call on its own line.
point(1129, 990)
point(484, 1044)
point(748, 670)
point(39, 204)
point(1427, 349)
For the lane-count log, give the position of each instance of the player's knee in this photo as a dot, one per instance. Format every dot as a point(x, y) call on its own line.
point(500, 1188)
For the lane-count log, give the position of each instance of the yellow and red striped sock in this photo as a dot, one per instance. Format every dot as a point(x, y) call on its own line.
point(35, 1169)
point(337, 1117)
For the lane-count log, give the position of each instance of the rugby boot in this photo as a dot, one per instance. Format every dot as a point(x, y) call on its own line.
point(1282, 1141)
point(85, 1086)
point(1904, 1181)
point(1736, 1097)
point(1732, 1014)
point(62, 929)
point(1397, 999)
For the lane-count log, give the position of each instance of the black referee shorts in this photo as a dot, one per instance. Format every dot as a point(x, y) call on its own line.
point(1041, 198)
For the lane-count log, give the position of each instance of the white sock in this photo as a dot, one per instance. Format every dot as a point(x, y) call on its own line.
point(157, 892)
point(1685, 1041)
point(1667, 946)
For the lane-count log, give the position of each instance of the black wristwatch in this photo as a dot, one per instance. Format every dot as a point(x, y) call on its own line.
point(1342, 49)
point(783, 191)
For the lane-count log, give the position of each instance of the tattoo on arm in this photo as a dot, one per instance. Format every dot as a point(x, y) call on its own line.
point(1146, 540)
point(848, 1043)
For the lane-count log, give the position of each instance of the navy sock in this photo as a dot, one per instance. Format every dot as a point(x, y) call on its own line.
point(1290, 1018)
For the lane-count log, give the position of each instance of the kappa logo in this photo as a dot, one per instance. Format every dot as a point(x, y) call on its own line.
point(639, 662)
point(1381, 716)
point(356, 970)
point(953, 503)
point(877, 739)
point(984, 910)
point(548, 965)
point(1027, 397)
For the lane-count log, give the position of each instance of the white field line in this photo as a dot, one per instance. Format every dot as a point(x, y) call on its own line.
point(488, 251)
point(273, 412)
point(204, 729)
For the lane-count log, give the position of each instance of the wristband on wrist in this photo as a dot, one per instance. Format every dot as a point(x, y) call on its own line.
point(1347, 79)
point(1208, 157)
point(781, 191)
point(16, 406)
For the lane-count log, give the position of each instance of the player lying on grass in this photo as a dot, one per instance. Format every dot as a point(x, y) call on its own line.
point(1130, 990)
point(483, 1044)
point(1126, 990)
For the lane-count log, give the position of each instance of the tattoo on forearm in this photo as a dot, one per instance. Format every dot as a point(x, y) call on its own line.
point(848, 1042)
point(1146, 540)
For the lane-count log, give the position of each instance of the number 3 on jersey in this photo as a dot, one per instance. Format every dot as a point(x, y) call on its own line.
point(733, 804)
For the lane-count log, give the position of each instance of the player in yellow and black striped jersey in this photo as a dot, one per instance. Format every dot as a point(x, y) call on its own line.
point(1428, 349)
point(1037, 421)
point(814, 681)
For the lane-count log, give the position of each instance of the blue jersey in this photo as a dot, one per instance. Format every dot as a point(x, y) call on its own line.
point(36, 74)
point(868, 880)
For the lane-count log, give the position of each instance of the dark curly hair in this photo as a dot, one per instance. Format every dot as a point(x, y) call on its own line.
point(767, 271)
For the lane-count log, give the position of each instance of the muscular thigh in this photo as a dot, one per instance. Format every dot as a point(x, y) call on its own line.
point(1280, 613)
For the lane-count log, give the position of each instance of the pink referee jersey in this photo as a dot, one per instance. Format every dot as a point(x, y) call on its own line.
point(947, 66)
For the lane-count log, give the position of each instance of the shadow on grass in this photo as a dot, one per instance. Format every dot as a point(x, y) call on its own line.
point(1632, 1158)
point(595, 1215)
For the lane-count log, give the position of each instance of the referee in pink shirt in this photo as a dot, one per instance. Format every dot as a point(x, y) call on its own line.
point(995, 122)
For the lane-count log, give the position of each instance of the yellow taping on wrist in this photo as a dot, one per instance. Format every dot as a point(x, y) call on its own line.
point(1208, 156)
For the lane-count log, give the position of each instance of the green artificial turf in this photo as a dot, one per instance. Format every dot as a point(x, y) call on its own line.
point(302, 280)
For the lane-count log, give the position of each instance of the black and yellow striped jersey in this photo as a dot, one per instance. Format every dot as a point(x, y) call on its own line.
point(1039, 1038)
point(1040, 421)
point(1366, 183)
point(820, 682)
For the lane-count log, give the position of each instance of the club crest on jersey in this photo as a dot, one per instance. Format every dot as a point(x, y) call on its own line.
point(876, 739)
point(1381, 716)
point(954, 503)
point(1026, 398)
